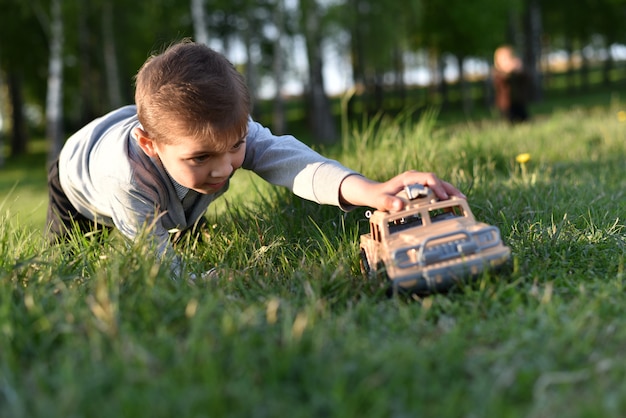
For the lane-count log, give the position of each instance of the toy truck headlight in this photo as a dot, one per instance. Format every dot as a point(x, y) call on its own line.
point(488, 237)
point(406, 257)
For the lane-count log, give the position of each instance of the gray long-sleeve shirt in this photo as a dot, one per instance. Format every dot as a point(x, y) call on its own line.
point(108, 178)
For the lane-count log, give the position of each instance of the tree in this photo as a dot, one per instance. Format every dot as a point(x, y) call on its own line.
point(19, 137)
point(533, 32)
point(607, 19)
point(465, 29)
point(110, 55)
point(20, 32)
point(566, 27)
point(380, 34)
point(198, 16)
point(279, 121)
point(2, 118)
point(321, 120)
point(54, 97)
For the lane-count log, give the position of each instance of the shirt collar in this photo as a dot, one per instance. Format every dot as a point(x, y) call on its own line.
point(181, 190)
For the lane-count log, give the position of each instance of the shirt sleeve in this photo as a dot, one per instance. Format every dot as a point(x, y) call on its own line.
point(135, 211)
point(285, 161)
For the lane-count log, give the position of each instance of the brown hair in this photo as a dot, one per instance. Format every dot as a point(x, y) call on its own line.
point(193, 91)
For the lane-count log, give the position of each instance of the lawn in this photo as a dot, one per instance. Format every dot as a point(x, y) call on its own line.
point(291, 328)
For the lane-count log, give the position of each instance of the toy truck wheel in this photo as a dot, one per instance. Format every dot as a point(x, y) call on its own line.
point(365, 265)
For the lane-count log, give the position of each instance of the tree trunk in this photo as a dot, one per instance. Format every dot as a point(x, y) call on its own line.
point(358, 65)
point(2, 119)
point(198, 16)
point(443, 84)
point(532, 56)
point(321, 120)
point(54, 97)
point(379, 92)
point(110, 56)
point(19, 136)
point(571, 71)
point(466, 96)
point(86, 109)
point(250, 68)
point(433, 71)
point(608, 65)
point(584, 72)
point(400, 85)
point(278, 111)
point(513, 35)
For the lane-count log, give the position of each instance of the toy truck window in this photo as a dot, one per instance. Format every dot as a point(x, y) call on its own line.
point(443, 214)
point(405, 222)
point(375, 231)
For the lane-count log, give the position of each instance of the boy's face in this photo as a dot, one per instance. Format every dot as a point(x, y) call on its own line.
point(196, 164)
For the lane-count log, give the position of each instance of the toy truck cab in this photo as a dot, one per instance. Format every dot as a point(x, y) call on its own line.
point(430, 245)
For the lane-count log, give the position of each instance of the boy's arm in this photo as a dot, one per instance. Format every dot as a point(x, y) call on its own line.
point(357, 190)
point(287, 162)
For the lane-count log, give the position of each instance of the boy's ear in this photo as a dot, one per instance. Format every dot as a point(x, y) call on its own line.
point(147, 145)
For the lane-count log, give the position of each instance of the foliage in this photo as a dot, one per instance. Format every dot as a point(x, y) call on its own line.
point(466, 28)
point(376, 34)
point(588, 18)
point(289, 327)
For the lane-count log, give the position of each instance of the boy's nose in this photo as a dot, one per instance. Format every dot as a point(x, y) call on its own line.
point(223, 167)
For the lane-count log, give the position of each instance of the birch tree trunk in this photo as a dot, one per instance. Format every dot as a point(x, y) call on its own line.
point(250, 68)
point(198, 17)
point(54, 97)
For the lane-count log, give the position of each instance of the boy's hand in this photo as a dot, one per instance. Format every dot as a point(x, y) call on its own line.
point(360, 191)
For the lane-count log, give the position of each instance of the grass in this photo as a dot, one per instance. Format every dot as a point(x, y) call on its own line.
point(23, 193)
point(290, 328)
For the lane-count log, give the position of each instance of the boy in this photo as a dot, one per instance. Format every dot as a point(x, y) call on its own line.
point(160, 163)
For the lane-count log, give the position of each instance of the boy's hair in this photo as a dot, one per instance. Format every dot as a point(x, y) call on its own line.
point(193, 91)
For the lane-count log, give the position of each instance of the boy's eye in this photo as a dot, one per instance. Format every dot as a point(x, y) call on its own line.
point(238, 145)
point(200, 159)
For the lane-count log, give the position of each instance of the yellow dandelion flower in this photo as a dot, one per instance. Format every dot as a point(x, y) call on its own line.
point(523, 158)
point(621, 116)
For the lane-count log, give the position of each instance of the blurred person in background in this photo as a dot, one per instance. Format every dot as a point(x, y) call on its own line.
point(511, 85)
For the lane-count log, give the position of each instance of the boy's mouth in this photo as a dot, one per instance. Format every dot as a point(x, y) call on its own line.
point(216, 186)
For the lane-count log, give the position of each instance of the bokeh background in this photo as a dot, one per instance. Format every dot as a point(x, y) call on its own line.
point(64, 62)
